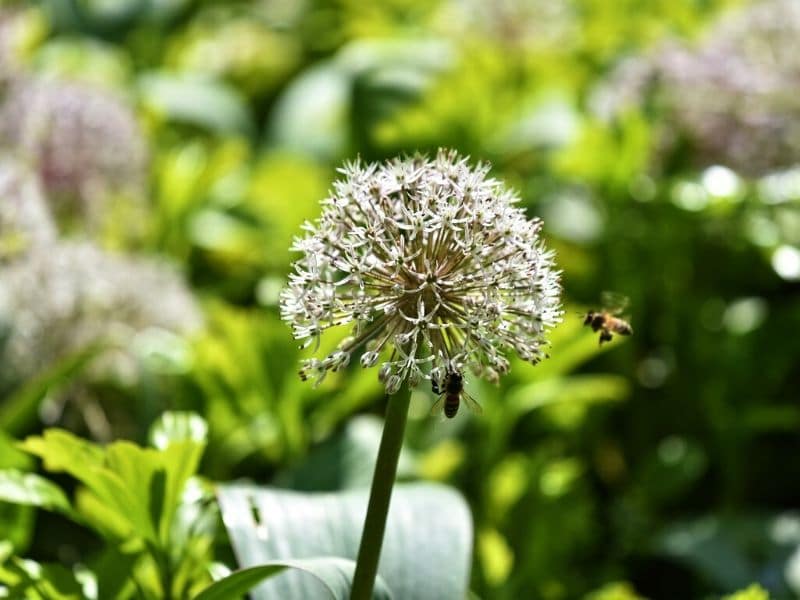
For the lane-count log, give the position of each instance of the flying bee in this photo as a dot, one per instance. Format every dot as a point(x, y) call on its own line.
point(607, 320)
point(451, 392)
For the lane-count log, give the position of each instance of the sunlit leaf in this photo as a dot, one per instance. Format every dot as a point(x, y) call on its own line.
point(33, 581)
point(137, 486)
point(199, 101)
point(574, 389)
point(32, 490)
point(426, 550)
point(334, 574)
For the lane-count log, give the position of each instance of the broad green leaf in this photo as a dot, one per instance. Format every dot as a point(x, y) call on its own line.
point(721, 548)
point(141, 486)
point(344, 462)
point(85, 461)
point(311, 115)
point(104, 519)
point(32, 490)
point(368, 78)
point(426, 551)
point(181, 460)
point(113, 570)
point(199, 101)
point(334, 574)
point(585, 389)
point(62, 451)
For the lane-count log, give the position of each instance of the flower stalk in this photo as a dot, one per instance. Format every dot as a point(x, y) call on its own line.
point(369, 552)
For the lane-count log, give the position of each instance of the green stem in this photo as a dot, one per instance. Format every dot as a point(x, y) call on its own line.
point(379, 496)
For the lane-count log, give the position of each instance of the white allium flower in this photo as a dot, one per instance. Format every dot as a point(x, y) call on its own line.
point(433, 265)
point(25, 219)
point(733, 96)
point(61, 298)
point(83, 141)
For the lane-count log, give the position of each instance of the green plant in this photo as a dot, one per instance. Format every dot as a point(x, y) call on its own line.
point(143, 502)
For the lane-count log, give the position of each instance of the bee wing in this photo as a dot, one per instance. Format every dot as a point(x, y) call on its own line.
point(613, 302)
point(471, 403)
point(438, 406)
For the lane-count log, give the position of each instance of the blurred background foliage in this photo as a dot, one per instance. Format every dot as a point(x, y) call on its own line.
point(158, 157)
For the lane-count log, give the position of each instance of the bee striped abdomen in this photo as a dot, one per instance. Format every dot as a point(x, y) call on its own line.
point(451, 405)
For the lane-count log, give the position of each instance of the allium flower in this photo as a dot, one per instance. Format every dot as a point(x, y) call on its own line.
point(60, 298)
point(734, 96)
point(7, 57)
point(25, 219)
point(433, 265)
point(528, 23)
point(84, 142)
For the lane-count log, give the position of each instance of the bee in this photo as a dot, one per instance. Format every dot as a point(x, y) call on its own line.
point(607, 319)
point(451, 392)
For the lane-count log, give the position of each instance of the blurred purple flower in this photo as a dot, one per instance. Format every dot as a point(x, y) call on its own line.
point(733, 97)
point(85, 142)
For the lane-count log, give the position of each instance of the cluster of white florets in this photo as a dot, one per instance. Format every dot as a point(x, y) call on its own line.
point(432, 263)
point(84, 142)
point(61, 298)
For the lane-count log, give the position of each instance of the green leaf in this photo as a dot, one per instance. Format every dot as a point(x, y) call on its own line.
point(33, 581)
point(32, 490)
point(733, 551)
point(585, 389)
point(199, 101)
point(113, 570)
point(141, 486)
point(335, 574)
point(753, 592)
point(345, 461)
point(21, 408)
point(62, 451)
point(426, 551)
point(310, 117)
point(16, 521)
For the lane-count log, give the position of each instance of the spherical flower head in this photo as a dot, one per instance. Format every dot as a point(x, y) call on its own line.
point(732, 96)
point(84, 142)
point(60, 298)
point(434, 267)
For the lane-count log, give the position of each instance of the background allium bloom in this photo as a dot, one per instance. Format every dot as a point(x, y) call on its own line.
point(25, 219)
point(60, 298)
point(84, 142)
point(734, 96)
point(433, 265)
